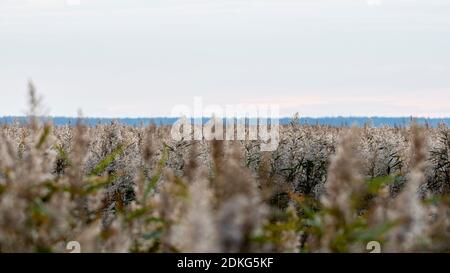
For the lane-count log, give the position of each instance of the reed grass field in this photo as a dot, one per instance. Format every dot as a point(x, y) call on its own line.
point(117, 188)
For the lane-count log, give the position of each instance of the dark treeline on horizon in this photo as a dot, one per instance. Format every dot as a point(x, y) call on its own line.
point(331, 121)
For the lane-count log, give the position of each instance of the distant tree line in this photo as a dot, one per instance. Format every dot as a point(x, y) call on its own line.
point(331, 121)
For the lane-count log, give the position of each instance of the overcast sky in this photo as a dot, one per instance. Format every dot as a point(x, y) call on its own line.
point(142, 57)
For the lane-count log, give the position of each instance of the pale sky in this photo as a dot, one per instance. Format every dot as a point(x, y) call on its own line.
point(140, 58)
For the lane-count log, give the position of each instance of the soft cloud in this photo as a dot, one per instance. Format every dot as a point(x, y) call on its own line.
point(436, 105)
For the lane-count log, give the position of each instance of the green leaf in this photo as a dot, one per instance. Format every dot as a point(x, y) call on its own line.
point(152, 235)
point(155, 178)
point(2, 189)
point(137, 213)
point(102, 165)
point(98, 183)
point(375, 184)
point(44, 136)
point(437, 199)
point(62, 153)
point(376, 232)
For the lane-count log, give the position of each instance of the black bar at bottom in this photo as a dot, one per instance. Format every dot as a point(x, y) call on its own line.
point(223, 262)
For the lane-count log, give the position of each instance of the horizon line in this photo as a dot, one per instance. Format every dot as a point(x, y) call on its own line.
point(208, 117)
